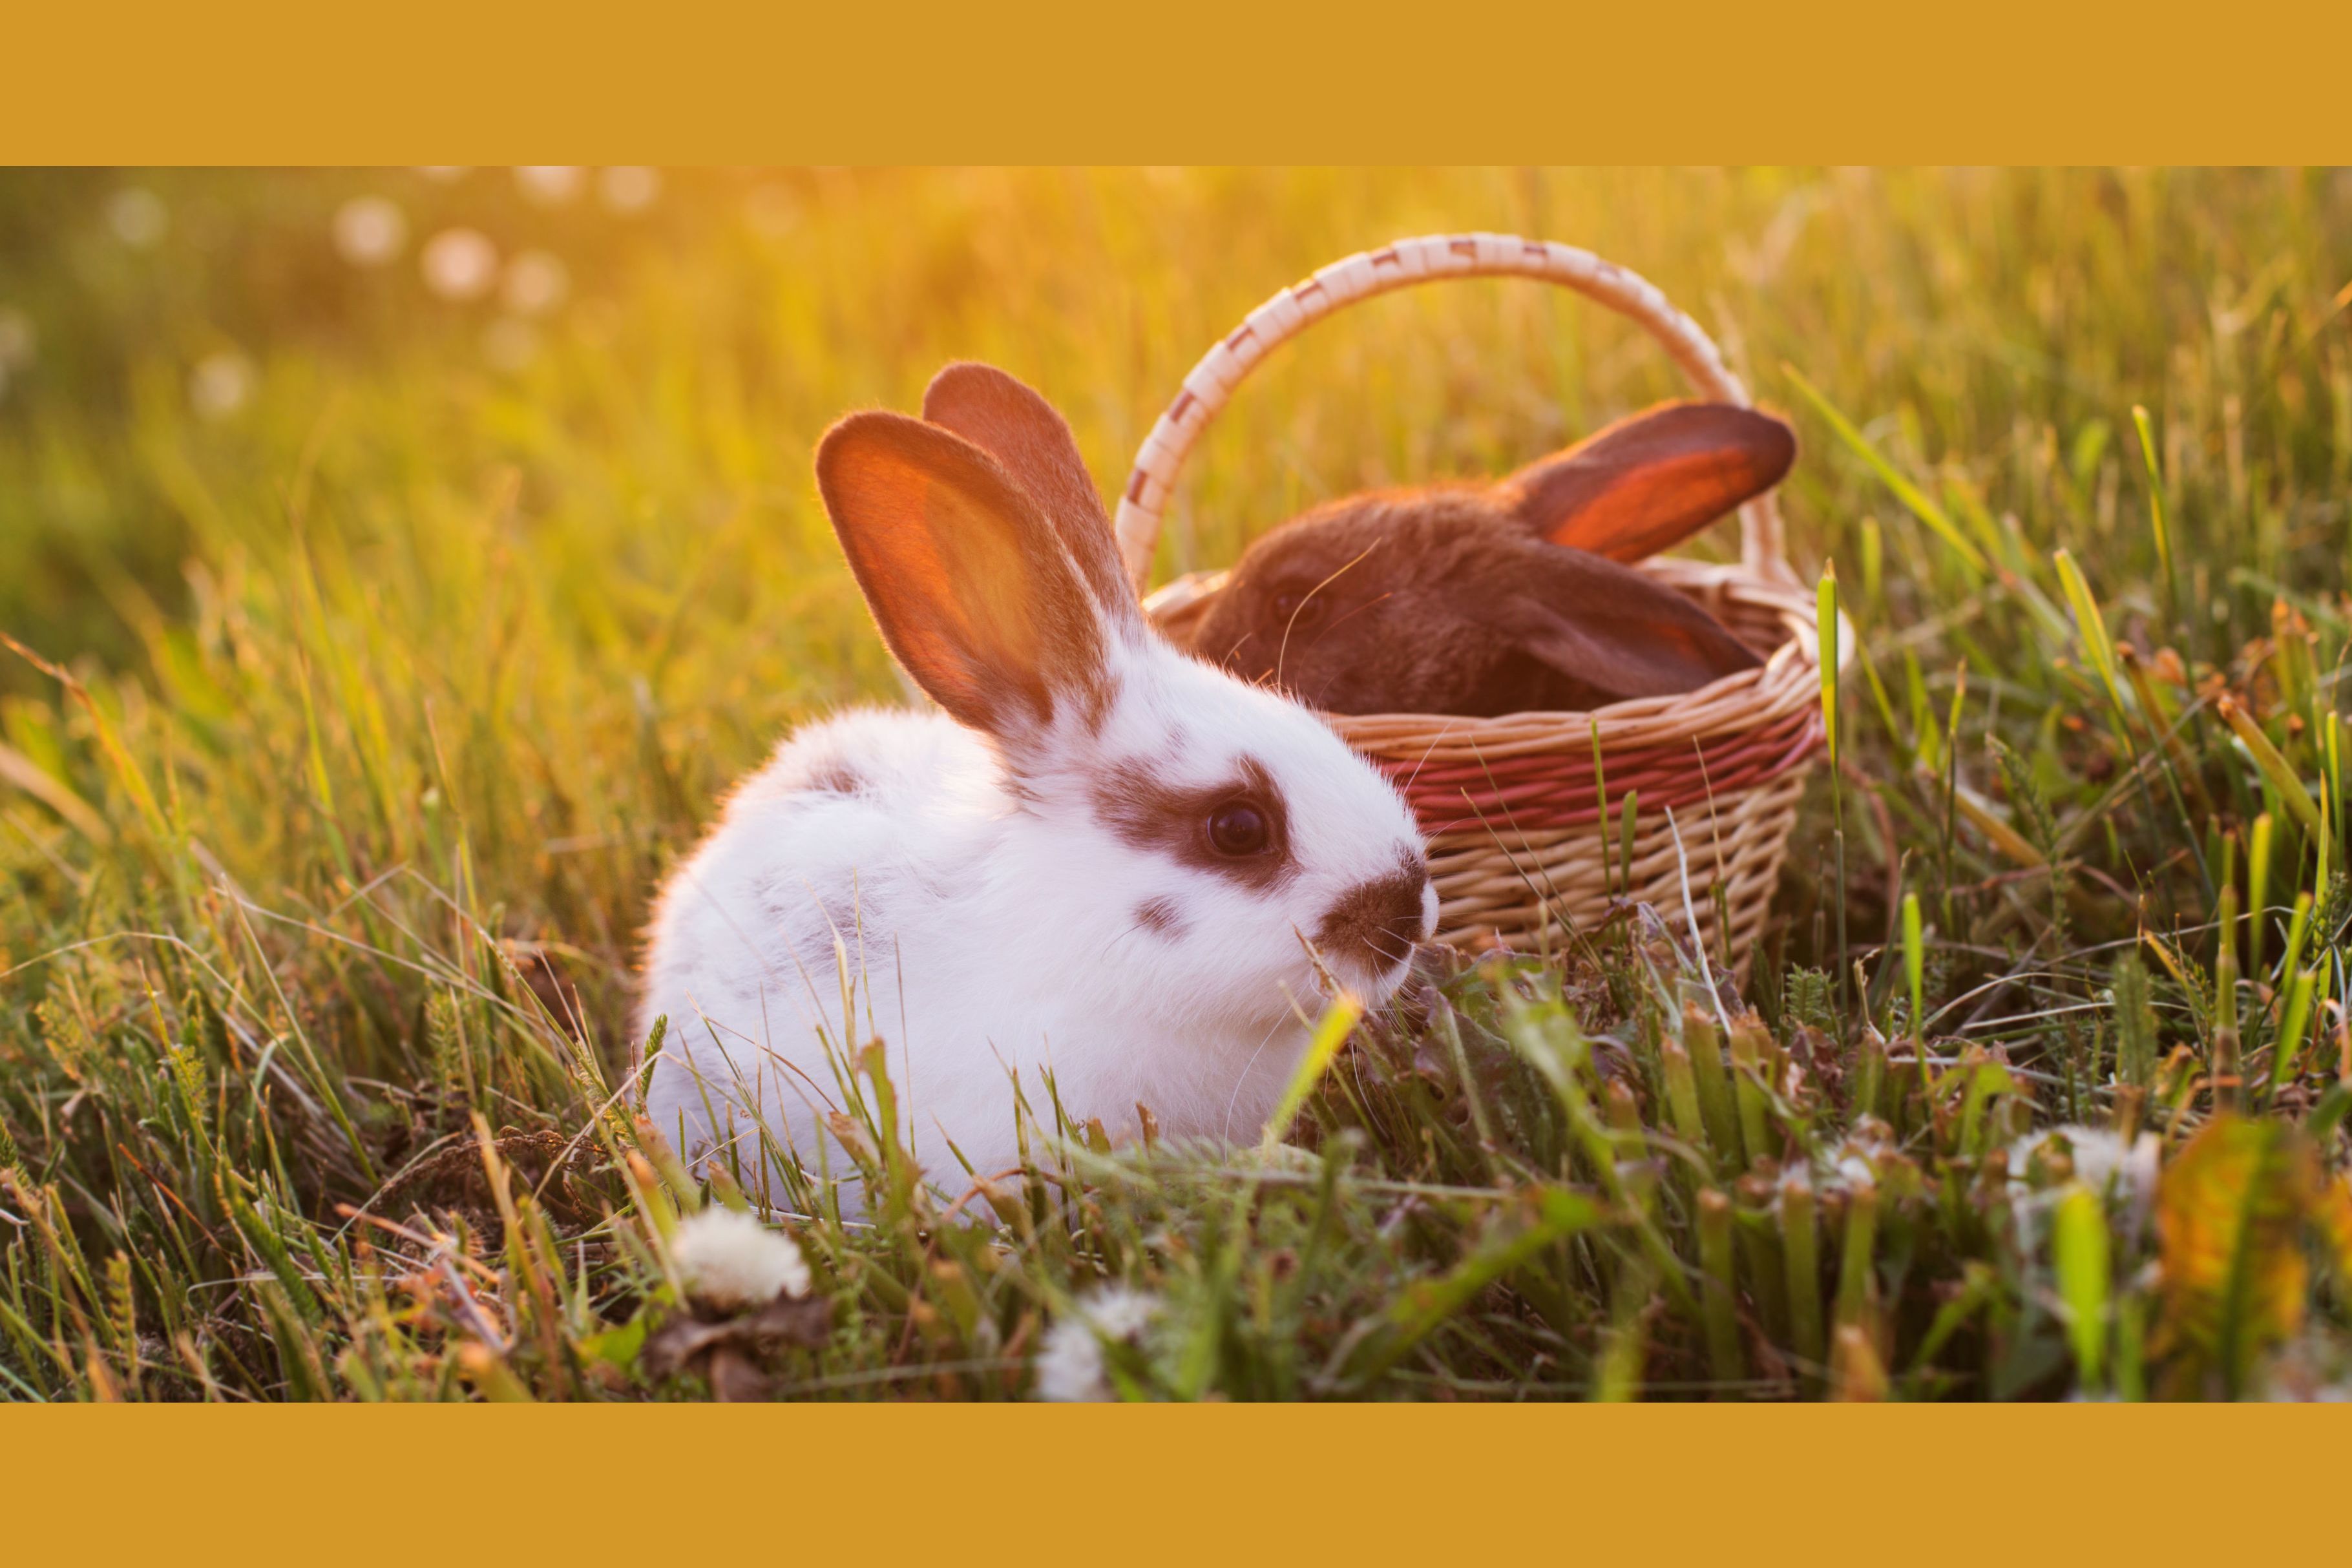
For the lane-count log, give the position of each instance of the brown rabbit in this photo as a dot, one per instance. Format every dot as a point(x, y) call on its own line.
point(1504, 597)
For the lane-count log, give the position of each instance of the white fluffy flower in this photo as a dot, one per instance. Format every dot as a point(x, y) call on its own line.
point(2100, 1156)
point(731, 1260)
point(1117, 1312)
point(1070, 1366)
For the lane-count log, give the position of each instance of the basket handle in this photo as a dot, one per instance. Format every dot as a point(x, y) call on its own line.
point(1211, 384)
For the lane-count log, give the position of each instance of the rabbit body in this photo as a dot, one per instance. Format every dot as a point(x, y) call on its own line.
point(1505, 598)
point(1105, 860)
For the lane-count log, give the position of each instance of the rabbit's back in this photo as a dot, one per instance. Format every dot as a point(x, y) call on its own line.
point(849, 830)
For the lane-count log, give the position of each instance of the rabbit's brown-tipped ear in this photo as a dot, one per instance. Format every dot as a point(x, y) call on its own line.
point(1020, 430)
point(1653, 480)
point(965, 576)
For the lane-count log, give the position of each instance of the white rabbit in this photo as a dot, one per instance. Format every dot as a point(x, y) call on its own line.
point(1104, 858)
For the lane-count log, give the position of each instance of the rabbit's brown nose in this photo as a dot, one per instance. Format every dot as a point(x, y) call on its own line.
point(1377, 923)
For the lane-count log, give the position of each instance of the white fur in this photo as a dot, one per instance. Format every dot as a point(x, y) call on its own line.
point(1010, 917)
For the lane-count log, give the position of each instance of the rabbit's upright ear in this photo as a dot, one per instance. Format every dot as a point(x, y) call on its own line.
point(1020, 429)
point(1652, 480)
point(966, 578)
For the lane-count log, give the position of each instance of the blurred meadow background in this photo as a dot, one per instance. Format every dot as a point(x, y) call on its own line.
point(400, 564)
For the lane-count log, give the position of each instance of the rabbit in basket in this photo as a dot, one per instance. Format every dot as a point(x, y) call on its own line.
point(1506, 597)
point(1103, 858)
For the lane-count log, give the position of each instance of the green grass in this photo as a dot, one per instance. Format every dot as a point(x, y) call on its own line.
point(378, 704)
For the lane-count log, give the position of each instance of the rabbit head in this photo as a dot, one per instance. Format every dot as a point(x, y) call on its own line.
point(1505, 598)
point(1216, 826)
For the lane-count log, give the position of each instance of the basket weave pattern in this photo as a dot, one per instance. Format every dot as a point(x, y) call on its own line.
point(1519, 822)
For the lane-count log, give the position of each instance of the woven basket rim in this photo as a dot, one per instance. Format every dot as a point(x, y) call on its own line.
point(1211, 384)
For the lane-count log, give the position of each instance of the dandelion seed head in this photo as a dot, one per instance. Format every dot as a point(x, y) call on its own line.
point(2100, 1156)
point(729, 1258)
point(1119, 1312)
point(1070, 1363)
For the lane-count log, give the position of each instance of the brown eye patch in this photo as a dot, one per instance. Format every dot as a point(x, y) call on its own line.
point(1239, 828)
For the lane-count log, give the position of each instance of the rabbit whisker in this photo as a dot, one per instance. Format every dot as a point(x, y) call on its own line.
point(1419, 763)
point(1359, 610)
point(1112, 942)
point(1226, 1126)
point(1282, 653)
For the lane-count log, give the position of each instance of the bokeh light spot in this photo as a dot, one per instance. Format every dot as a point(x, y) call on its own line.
point(628, 188)
point(535, 284)
point(370, 230)
point(16, 340)
point(221, 384)
point(510, 344)
point(551, 185)
point(771, 212)
point(460, 264)
point(138, 218)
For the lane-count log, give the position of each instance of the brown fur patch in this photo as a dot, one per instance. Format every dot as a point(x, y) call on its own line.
point(1377, 922)
point(1160, 916)
point(1148, 812)
point(835, 777)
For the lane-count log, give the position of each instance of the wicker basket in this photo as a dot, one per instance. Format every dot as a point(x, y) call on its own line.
point(1517, 823)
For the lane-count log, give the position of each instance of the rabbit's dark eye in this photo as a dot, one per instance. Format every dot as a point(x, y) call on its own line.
point(1298, 608)
point(1238, 828)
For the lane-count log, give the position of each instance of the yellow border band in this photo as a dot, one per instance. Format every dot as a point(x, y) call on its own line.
point(1210, 80)
point(1295, 1485)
